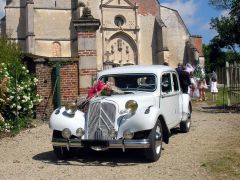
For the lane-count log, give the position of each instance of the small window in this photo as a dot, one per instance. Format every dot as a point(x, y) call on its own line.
point(119, 21)
point(175, 83)
point(166, 83)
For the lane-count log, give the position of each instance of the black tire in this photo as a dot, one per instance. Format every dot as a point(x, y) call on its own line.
point(62, 153)
point(186, 125)
point(153, 153)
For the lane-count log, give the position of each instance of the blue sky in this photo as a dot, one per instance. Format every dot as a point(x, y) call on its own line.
point(195, 13)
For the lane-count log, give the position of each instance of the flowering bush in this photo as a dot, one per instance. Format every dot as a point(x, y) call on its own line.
point(19, 98)
point(3, 96)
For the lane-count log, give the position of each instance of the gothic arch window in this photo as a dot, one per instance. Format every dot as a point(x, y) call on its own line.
point(56, 49)
point(119, 20)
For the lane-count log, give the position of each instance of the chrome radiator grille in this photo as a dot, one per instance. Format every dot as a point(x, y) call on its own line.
point(101, 118)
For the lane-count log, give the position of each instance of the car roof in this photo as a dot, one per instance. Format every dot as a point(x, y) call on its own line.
point(132, 69)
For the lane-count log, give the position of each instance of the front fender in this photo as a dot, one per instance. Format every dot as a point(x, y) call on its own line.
point(59, 120)
point(186, 110)
point(143, 119)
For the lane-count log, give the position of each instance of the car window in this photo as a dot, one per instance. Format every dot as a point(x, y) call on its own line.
point(166, 84)
point(132, 82)
point(175, 83)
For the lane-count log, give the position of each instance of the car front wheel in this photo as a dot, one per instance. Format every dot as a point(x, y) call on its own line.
point(153, 153)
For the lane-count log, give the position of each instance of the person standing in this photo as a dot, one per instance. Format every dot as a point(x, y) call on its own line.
point(185, 81)
point(214, 89)
point(202, 85)
point(193, 84)
point(179, 69)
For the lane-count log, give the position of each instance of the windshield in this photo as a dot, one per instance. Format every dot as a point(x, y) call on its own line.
point(132, 82)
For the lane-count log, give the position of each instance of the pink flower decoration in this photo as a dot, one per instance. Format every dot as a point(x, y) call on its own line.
point(97, 88)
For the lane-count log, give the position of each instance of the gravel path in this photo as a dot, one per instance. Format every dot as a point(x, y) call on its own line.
point(29, 155)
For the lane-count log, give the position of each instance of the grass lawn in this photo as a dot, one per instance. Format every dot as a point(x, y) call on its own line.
point(222, 98)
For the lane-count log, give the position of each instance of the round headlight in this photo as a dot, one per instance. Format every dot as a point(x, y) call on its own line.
point(71, 108)
point(131, 106)
point(128, 134)
point(80, 132)
point(66, 133)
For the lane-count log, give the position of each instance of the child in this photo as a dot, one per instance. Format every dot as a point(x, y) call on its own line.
point(193, 84)
point(214, 89)
point(202, 85)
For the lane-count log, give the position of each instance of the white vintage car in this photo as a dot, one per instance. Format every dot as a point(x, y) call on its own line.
point(141, 117)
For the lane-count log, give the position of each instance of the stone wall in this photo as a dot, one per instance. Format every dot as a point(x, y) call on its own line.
point(177, 35)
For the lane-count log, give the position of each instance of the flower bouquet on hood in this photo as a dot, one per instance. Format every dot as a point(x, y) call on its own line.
point(99, 88)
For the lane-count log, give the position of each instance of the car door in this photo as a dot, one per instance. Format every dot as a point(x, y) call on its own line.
point(177, 98)
point(169, 98)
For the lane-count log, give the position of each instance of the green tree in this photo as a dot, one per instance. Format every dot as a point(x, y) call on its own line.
point(223, 4)
point(214, 56)
point(9, 51)
point(227, 27)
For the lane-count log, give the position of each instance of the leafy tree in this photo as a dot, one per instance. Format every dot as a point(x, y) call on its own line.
point(9, 51)
point(228, 27)
point(225, 45)
point(222, 4)
point(214, 56)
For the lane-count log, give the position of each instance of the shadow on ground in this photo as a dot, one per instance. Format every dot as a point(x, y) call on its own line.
point(112, 158)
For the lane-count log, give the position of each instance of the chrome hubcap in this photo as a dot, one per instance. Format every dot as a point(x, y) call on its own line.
point(158, 140)
point(188, 123)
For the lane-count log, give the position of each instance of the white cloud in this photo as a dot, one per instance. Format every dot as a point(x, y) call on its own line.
point(224, 13)
point(2, 5)
point(205, 27)
point(187, 9)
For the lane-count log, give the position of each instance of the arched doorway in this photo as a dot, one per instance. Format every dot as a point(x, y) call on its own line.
point(121, 49)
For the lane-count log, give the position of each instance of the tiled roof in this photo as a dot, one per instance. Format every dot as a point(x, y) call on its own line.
point(147, 7)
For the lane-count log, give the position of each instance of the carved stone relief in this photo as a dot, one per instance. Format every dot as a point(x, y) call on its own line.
point(121, 50)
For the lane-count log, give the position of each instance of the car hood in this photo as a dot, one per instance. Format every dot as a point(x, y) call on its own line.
point(144, 99)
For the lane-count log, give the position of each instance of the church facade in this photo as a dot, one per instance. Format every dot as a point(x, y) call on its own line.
point(129, 32)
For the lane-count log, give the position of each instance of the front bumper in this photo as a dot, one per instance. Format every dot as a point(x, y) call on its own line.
point(110, 144)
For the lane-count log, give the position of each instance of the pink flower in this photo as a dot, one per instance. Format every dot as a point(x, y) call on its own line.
point(91, 92)
point(96, 89)
point(99, 85)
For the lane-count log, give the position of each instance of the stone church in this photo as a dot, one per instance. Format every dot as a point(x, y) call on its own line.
point(86, 36)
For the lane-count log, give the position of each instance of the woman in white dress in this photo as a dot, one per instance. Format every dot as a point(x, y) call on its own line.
point(214, 89)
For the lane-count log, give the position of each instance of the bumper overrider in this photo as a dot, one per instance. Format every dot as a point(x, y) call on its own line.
point(105, 144)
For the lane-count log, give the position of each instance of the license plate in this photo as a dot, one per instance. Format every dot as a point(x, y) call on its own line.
point(90, 143)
